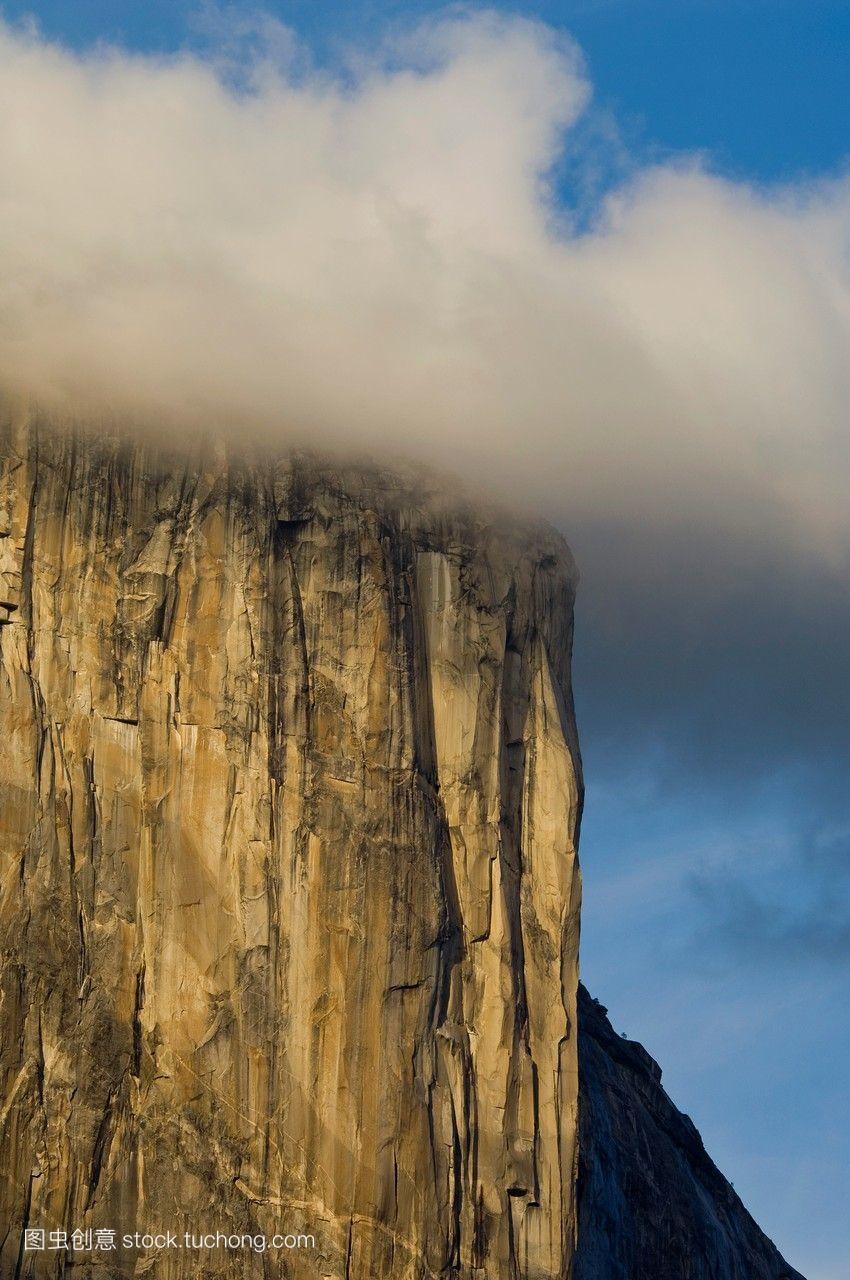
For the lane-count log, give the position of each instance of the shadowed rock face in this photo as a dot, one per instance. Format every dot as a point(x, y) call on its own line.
point(289, 789)
point(651, 1204)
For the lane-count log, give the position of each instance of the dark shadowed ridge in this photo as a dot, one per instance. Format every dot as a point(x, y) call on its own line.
point(652, 1205)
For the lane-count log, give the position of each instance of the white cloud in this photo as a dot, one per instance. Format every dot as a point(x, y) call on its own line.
point(377, 260)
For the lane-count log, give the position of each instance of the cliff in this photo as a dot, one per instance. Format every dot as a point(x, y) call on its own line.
point(289, 789)
point(651, 1204)
point(289, 794)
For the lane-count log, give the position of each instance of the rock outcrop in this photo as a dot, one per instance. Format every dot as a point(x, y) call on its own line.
point(651, 1204)
point(289, 789)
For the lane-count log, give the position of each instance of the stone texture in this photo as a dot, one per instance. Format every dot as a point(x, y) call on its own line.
point(651, 1204)
point(289, 790)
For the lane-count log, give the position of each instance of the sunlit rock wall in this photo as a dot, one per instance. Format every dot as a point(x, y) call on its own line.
point(289, 790)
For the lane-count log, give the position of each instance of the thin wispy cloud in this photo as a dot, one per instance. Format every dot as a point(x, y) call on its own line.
point(795, 915)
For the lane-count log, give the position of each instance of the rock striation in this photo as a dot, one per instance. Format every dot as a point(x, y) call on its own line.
point(651, 1203)
point(289, 794)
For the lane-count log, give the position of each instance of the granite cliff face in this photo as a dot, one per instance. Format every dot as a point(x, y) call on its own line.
point(289, 794)
point(651, 1203)
point(289, 790)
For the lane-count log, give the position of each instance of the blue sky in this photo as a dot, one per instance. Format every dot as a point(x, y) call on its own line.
point(712, 683)
point(761, 85)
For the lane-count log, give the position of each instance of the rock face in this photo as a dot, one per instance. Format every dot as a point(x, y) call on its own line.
point(289, 789)
point(651, 1204)
point(289, 794)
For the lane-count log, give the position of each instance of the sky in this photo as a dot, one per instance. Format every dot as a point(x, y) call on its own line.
point(596, 255)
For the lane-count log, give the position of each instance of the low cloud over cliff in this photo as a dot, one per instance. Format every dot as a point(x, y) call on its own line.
point(389, 255)
point(378, 256)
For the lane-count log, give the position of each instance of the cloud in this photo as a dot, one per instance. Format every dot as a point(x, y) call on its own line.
point(379, 256)
point(800, 916)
